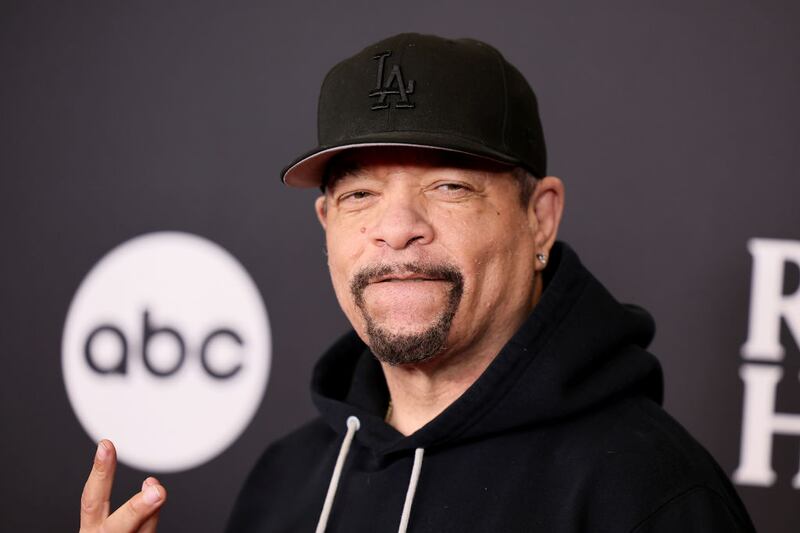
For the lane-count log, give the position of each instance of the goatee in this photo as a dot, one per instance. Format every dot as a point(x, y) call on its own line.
point(402, 349)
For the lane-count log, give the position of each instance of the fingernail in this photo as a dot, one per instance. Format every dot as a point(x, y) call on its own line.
point(102, 452)
point(147, 482)
point(151, 495)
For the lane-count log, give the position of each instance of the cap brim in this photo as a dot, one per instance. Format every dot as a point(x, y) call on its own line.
point(307, 171)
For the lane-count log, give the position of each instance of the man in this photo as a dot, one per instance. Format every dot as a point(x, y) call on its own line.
point(491, 383)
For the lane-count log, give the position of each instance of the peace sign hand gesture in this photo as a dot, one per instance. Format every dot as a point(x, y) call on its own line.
point(138, 515)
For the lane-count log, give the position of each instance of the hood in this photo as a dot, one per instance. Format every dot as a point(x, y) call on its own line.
point(578, 349)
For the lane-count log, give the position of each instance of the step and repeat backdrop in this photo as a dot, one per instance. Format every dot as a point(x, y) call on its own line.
point(161, 287)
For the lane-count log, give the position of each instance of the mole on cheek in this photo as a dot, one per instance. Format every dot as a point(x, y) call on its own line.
point(363, 230)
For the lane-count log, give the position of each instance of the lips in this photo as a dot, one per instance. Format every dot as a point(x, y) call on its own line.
point(409, 295)
point(386, 275)
point(404, 277)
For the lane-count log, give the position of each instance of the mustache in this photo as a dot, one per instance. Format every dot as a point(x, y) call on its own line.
point(372, 273)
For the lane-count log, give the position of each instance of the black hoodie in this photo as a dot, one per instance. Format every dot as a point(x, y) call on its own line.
point(563, 432)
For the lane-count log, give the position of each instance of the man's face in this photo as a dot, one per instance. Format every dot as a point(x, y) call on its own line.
point(427, 255)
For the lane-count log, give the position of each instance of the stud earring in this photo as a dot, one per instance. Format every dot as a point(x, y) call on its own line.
point(542, 258)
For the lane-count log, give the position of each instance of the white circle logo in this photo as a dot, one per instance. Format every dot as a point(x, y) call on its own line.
point(166, 350)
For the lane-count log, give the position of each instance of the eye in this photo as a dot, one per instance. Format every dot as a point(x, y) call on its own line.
point(354, 196)
point(452, 189)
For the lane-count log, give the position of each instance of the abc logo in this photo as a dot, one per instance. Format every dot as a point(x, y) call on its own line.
point(148, 333)
point(166, 350)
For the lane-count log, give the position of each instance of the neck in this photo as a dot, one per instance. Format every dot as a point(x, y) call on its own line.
point(419, 393)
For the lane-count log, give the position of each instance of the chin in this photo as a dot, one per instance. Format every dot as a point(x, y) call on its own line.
point(404, 329)
point(411, 343)
point(406, 318)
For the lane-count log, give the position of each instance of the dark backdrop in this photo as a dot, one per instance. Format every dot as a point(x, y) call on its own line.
point(674, 125)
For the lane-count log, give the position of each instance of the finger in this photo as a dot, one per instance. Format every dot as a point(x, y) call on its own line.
point(150, 481)
point(151, 523)
point(95, 504)
point(133, 513)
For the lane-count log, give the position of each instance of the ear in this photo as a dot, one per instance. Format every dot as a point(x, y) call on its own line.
point(545, 208)
point(321, 208)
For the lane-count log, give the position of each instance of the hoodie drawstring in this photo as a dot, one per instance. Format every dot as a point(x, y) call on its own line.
point(353, 425)
point(412, 488)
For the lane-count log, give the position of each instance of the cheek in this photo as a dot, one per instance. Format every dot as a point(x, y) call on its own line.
point(489, 266)
point(343, 252)
point(496, 261)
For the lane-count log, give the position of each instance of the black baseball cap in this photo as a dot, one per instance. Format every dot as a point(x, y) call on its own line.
point(429, 92)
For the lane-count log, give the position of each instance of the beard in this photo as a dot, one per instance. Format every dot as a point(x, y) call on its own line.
point(401, 349)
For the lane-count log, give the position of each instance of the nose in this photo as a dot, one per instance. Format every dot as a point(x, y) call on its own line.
point(402, 222)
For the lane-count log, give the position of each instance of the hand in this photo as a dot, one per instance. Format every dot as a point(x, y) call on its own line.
point(137, 515)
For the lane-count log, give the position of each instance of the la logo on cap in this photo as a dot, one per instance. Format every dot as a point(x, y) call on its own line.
point(393, 85)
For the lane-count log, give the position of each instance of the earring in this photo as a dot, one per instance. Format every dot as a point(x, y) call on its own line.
point(542, 258)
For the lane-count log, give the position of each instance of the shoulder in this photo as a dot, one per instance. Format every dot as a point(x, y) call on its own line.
point(640, 437)
point(697, 510)
point(644, 461)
